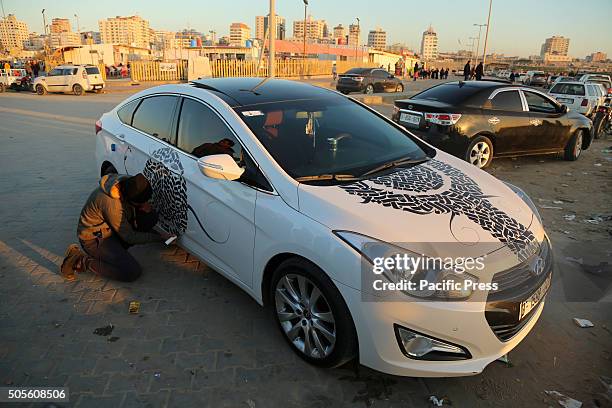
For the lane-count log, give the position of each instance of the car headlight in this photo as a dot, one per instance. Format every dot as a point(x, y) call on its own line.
point(519, 192)
point(448, 284)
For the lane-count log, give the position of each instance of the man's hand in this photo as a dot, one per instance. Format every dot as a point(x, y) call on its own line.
point(165, 235)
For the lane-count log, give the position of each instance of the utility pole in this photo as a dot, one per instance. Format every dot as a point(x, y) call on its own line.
point(78, 25)
point(271, 51)
point(484, 53)
point(46, 37)
point(304, 39)
point(357, 39)
point(479, 32)
point(471, 44)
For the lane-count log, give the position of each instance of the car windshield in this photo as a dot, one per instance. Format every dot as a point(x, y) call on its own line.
point(92, 70)
point(357, 71)
point(452, 94)
point(539, 75)
point(328, 136)
point(568, 89)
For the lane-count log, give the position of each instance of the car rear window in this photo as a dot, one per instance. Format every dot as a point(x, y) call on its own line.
point(538, 75)
point(568, 89)
point(92, 70)
point(452, 94)
point(358, 71)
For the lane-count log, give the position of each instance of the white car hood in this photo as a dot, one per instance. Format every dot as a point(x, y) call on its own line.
point(444, 200)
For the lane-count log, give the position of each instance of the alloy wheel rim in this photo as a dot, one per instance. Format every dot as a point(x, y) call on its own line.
point(578, 147)
point(305, 316)
point(480, 154)
point(369, 89)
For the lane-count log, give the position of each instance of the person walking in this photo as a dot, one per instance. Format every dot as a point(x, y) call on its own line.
point(512, 76)
point(35, 68)
point(116, 216)
point(466, 71)
point(479, 71)
point(415, 74)
point(334, 70)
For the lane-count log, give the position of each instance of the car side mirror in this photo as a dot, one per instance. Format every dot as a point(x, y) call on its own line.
point(220, 166)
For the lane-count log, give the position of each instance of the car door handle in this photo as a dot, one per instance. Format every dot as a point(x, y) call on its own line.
point(494, 120)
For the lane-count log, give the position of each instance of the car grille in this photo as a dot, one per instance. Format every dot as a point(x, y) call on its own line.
point(514, 286)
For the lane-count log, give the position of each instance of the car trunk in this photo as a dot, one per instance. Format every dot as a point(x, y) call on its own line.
point(349, 79)
point(93, 76)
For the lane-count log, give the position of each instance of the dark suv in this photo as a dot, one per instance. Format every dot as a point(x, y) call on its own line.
point(368, 80)
point(476, 120)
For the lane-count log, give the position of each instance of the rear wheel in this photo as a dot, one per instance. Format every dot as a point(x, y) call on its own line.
point(399, 88)
point(311, 314)
point(1, 88)
point(40, 90)
point(574, 146)
point(369, 89)
point(598, 125)
point(480, 152)
point(78, 90)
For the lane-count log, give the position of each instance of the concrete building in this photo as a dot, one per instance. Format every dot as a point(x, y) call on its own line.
point(339, 34)
point(261, 25)
point(94, 36)
point(64, 39)
point(556, 45)
point(315, 29)
point(60, 25)
point(429, 44)
point(377, 39)
point(133, 31)
point(36, 42)
point(13, 33)
point(597, 57)
point(239, 34)
point(354, 35)
point(164, 39)
point(184, 37)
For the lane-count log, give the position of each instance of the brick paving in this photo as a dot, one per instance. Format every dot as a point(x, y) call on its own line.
point(198, 341)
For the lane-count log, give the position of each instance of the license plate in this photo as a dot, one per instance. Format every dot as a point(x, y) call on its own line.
point(532, 301)
point(411, 119)
point(565, 100)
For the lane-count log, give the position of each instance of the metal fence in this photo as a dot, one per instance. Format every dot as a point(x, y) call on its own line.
point(159, 71)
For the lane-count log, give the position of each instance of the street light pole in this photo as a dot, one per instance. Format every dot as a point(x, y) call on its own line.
point(271, 50)
point(78, 25)
point(478, 44)
point(484, 53)
point(357, 39)
point(304, 38)
point(45, 31)
point(472, 47)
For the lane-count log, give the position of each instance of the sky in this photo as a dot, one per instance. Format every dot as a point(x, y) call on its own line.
point(518, 27)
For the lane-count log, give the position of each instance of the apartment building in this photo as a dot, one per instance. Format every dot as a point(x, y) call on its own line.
point(133, 31)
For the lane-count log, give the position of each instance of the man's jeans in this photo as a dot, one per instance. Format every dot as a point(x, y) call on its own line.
point(109, 257)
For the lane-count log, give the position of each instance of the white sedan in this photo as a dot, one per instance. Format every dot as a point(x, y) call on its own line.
point(364, 241)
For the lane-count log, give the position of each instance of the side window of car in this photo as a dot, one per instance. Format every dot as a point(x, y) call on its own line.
point(154, 116)
point(201, 132)
point(538, 103)
point(55, 72)
point(379, 73)
point(68, 71)
point(507, 101)
point(126, 112)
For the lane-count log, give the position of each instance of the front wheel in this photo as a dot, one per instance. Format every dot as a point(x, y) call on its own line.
point(369, 89)
point(1, 88)
point(480, 152)
point(40, 90)
point(574, 146)
point(312, 315)
point(78, 90)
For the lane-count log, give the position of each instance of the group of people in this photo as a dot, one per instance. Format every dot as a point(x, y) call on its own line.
point(32, 67)
point(470, 72)
point(121, 70)
point(433, 73)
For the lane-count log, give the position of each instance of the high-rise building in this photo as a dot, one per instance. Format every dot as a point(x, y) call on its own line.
point(597, 57)
point(132, 30)
point(261, 25)
point(353, 35)
point(339, 32)
point(314, 29)
point(60, 25)
point(13, 33)
point(239, 34)
point(64, 39)
point(164, 40)
point(377, 39)
point(429, 44)
point(555, 45)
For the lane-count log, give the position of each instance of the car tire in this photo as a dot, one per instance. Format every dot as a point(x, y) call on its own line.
point(480, 152)
point(78, 90)
point(1, 88)
point(574, 146)
point(369, 89)
point(323, 333)
point(40, 90)
point(598, 125)
point(399, 88)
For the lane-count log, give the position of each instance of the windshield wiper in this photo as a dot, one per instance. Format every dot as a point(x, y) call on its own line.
point(394, 163)
point(319, 177)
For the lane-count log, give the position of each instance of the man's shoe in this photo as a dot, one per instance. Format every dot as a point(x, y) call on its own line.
point(72, 258)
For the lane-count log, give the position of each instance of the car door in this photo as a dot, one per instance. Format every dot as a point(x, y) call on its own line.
point(220, 223)
point(508, 121)
point(150, 127)
point(548, 130)
point(54, 80)
point(68, 79)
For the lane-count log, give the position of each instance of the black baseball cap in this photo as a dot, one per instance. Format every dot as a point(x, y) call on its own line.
point(136, 189)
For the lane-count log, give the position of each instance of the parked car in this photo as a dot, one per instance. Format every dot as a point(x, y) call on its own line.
point(368, 80)
point(578, 96)
point(70, 78)
point(603, 80)
point(479, 120)
point(535, 78)
point(280, 186)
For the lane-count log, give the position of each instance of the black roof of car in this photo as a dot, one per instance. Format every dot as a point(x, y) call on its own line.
point(254, 91)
